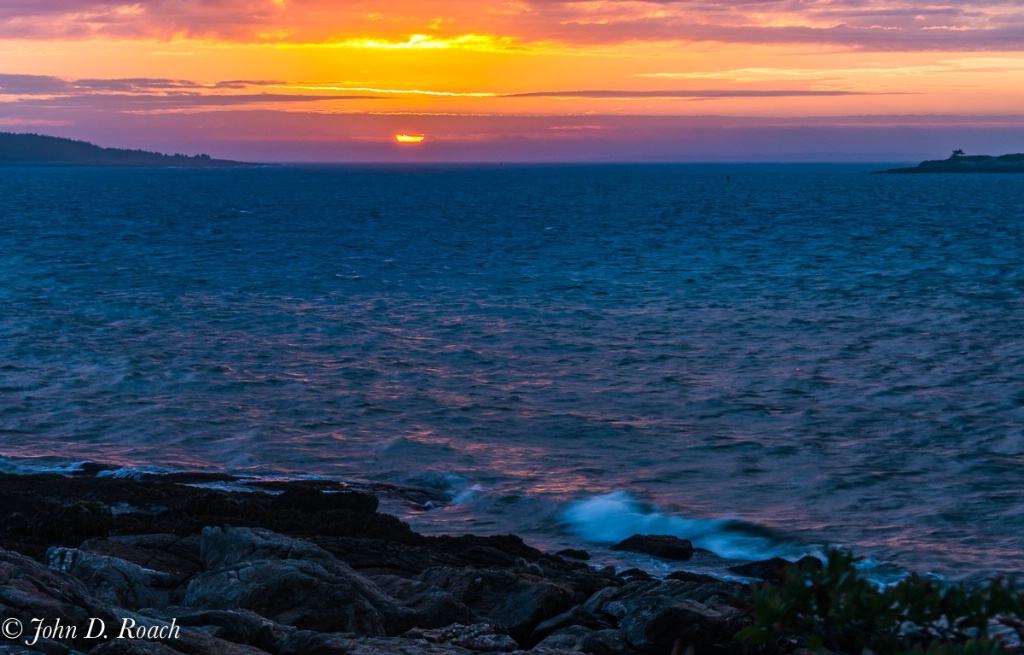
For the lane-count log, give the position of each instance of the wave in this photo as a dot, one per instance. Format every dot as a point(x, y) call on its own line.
point(612, 517)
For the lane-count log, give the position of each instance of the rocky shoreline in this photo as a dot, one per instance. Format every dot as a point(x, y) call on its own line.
point(165, 565)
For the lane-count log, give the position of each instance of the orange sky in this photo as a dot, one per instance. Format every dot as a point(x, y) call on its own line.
point(285, 79)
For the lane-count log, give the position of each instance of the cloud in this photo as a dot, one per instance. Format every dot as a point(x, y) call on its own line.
point(697, 93)
point(49, 85)
point(875, 25)
point(139, 94)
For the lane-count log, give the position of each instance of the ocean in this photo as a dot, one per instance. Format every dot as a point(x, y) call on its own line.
point(762, 358)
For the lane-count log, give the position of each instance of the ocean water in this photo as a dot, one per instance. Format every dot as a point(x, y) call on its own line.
point(761, 358)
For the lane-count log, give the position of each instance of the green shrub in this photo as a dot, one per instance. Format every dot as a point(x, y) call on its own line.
point(835, 607)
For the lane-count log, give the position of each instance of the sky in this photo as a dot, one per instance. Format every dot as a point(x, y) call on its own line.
point(520, 80)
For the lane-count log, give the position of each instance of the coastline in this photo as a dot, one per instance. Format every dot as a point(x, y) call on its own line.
point(961, 163)
point(313, 566)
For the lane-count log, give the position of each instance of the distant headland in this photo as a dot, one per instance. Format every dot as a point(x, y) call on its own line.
point(40, 150)
point(958, 162)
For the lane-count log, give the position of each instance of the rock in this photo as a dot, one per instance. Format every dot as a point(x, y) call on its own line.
point(654, 624)
point(221, 547)
point(774, 569)
point(236, 626)
point(125, 647)
point(652, 615)
point(597, 600)
point(176, 556)
point(584, 640)
point(29, 590)
point(307, 642)
point(574, 553)
point(431, 607)
point(479, 637)
point(514, 602)
point(664, 546)
point(688, 576)
point(577, 615)
point(631, 575)
point(312, 643)
point(290, 582)
point(306, 499)
point(112, 580)
point(499, 550)
point(138, 628)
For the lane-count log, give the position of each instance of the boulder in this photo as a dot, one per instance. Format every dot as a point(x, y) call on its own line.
point(313, 643)
point(236, 626)
point(307, 499)
point(655, 624)
point(167, 553)
point(574, 553)
point(431, 607)
point(29, 590)
point(576, 616)
point(585, 640)
point(113, 580)
point(663, 546)
point(774, 569)
point(516, 602)
point(125, 647)
point(226, 546)
point(653, 615)
point(478, 637)
point(291, 582)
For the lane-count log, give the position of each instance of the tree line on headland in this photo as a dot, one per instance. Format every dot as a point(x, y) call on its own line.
point(40, 150)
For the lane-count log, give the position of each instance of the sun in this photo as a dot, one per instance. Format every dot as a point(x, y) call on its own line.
point(410, 138)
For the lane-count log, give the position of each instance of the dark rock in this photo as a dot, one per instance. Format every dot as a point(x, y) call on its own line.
point(28, 590)
point(222, 547)
point(577, 615)
point(176, 556)
point(595, 603)
point(39, 511)
point(774, 569)
point(236, 626)
point(431, 607)
point(574, 553)
point(584, 640)
point(687, 576)
point(127, 647)
point(514, 602)
point(653, 615)
point(313, 643)
point(498, 550)
point(631, 575)
point(307, 499)
point(654, 624)
point(479, 637)
point(307, 642)
point(112, 580)
point(719, 593)
point(290, 582)
point(664, 546)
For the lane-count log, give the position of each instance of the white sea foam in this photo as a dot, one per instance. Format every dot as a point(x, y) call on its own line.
point(28, 465)
point(612, 517)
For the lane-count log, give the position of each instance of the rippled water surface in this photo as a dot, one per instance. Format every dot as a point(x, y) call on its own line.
point(818, 353)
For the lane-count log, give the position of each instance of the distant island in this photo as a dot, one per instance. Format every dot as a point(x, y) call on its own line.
point(40, 150)
point(958, 162)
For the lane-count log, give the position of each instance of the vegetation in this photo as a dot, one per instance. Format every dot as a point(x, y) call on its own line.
point(835, 607)
point(42, 150)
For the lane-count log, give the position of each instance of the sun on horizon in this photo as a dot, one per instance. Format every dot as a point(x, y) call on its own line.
point(410, 138)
